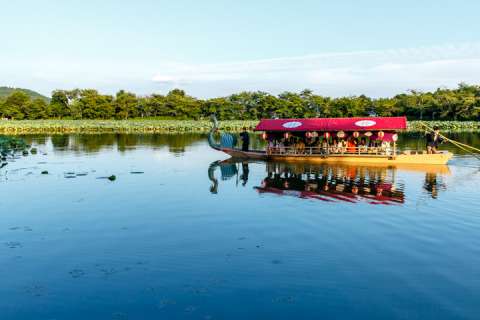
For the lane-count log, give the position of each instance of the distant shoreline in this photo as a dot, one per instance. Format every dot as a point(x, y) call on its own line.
point(14, 127)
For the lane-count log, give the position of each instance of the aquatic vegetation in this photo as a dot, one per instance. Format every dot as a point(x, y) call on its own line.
point(117, 126)
point(450, 126)
point(170, 126)
point(11, 144)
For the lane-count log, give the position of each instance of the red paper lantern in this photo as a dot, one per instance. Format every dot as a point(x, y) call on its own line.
point(356, 134)
point(381, 134)
point(326, 135)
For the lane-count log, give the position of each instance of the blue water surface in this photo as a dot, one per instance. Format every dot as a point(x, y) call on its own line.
point(181, 234)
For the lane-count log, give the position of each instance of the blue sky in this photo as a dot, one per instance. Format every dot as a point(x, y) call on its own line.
point(213, 48)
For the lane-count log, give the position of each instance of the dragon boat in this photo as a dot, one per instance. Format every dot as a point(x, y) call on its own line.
point(330, 140)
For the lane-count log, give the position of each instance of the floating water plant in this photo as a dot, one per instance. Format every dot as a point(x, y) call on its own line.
point(171, 126)
point(9, 146)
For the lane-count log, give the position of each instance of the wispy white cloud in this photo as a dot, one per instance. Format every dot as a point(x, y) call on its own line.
point(375, 73)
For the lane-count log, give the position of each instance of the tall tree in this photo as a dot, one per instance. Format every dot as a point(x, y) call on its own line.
point(125, 105)
point(15, 105)
point(36, 109)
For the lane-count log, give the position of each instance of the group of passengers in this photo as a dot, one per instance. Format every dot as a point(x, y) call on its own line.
point(323, 145)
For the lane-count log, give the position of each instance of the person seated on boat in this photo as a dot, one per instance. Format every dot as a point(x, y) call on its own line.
point(310, 144)
point(334, 146)
point(300, 147)
point(245, 139)
point(342, 146)
point(433, 140)
point(289, 145)
point(271, 146)
point(324, 146)
point(363, 147)
point(386, 148)
point(317, 146)
point(281, 146)
point(373, 146)
point(352, 145)
point(309, 141)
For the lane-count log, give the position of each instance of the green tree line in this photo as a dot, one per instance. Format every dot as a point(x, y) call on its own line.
point(461, 103)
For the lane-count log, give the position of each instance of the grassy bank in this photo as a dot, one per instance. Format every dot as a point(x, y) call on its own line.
point(170, 126)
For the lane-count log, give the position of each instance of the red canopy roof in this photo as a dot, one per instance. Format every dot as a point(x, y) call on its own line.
point(333, 124)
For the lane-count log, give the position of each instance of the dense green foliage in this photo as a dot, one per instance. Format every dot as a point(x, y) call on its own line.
point(172, 126)
point(462, 103)
point(11, 144)
point(6, 91)
point(118, 126)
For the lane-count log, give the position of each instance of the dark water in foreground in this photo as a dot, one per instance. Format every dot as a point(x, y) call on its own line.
point(182, 235)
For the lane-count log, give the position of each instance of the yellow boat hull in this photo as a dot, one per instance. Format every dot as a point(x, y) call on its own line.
point(401, 159)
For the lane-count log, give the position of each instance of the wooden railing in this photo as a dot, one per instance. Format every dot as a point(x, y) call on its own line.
point(332, 150)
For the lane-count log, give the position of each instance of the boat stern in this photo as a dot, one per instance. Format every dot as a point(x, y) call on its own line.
point(423, 158)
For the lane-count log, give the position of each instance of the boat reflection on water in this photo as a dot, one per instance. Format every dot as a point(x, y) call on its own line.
point(329, 183)
point(333, 183)
point(433, 184)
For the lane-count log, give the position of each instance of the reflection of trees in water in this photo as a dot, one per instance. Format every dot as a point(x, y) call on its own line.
point(93, 143)
point(38, 139)
point(60, 141)
point(176, 143)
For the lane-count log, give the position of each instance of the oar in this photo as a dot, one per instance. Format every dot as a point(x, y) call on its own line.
point(462, 146)
point(451, 140)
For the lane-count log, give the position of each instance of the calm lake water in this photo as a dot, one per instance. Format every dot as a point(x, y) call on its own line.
point(182, 234)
